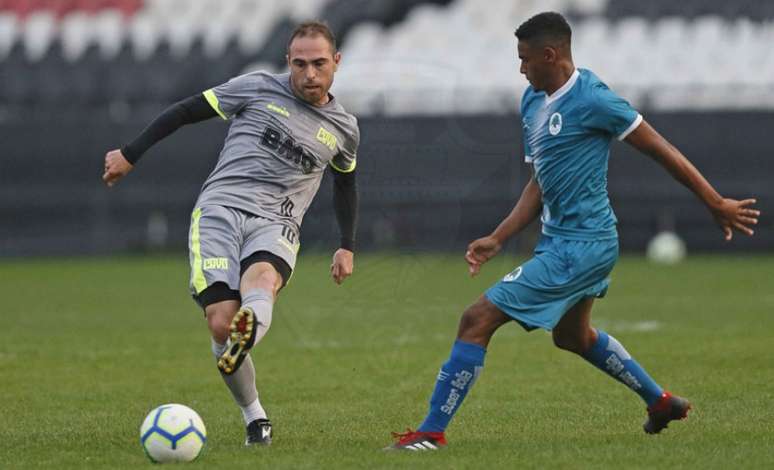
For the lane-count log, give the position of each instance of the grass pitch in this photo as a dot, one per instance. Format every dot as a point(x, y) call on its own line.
point(88, 347)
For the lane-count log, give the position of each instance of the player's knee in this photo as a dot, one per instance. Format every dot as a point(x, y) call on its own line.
point(219, 322)
point(478, 323)
point(263, 276)
point(576, 342)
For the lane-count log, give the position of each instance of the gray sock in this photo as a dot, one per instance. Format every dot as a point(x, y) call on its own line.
point(242, 382)
point(261, 302)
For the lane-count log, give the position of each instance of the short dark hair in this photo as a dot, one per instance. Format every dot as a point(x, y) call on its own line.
point(313, 28)
point(547, 25)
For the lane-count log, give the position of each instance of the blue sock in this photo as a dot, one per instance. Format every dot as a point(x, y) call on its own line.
point(611, 357)
point(454, 380)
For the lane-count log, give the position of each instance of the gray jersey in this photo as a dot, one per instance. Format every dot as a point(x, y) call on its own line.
point(277, 147)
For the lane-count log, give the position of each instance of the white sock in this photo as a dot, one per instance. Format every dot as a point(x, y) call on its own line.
point(253, 411)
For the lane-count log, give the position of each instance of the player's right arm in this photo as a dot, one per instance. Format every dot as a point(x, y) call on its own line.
point(526, 210)
point(188, 111)
point(730, 214)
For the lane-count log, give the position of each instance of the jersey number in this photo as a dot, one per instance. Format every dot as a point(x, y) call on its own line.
point(289, 234)
point(286, 208)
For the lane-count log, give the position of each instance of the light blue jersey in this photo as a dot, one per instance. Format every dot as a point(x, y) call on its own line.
point(567, 137)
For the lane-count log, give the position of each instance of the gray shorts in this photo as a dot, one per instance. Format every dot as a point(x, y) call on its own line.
point(221, 237)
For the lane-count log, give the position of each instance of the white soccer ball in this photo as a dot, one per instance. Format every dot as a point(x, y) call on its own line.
point(172, 433)
point(666, 248)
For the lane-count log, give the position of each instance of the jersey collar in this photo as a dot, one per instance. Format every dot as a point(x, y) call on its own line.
point(564, 88)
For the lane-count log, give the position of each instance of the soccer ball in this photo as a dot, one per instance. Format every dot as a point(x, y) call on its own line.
point(666, 248)
point(172, 433)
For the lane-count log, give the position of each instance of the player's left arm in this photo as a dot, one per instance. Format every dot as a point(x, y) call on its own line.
point(345, 203)
point(730, 214)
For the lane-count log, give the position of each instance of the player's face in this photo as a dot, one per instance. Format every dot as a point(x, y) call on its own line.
point(535, 63)
point(312, 65)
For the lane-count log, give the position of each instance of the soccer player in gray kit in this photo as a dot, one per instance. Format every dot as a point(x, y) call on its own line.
point(244, 237)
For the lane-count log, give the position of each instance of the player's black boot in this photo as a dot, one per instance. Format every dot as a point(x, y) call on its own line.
point(241, 339)
point(668, 408)
point(259, 432)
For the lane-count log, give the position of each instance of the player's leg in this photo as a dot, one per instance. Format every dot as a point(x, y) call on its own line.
point(457, 375)
point(574, 333)
point(215, 280)
point(262, 275)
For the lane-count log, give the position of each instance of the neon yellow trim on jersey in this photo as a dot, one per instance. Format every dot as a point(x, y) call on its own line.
point(209, 95)
point(292, 248)
point(351, 169)
point(197, 273)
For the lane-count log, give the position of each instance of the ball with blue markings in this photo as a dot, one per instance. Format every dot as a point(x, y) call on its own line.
point(172, 433)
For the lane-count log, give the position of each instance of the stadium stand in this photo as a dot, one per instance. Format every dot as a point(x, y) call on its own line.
point(434, 83)
point(662, 54)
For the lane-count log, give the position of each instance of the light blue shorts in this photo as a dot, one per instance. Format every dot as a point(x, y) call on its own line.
point(539, 292)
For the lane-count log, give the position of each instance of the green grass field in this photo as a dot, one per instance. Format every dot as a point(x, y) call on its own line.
point(89, 346)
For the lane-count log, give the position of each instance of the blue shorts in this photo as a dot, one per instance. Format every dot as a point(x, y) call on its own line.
point(539, 292)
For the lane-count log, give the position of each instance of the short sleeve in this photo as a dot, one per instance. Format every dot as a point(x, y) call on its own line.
point(610, 113)
point(346, 160)
point(528, 156)
point(231, 97)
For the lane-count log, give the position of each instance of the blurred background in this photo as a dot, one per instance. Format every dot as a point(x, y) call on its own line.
point(435, 85)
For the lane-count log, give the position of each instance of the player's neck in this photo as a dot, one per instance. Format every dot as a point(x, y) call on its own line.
point(563, 74)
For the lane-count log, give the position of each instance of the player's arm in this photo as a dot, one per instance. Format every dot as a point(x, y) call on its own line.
point(526, 210)
point(188, 111)
point(729, 214)
point(345, 203)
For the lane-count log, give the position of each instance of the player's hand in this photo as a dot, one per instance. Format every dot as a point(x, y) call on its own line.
point(116, 167)
point(731, 215)
point(342, 265)
point(480, 251)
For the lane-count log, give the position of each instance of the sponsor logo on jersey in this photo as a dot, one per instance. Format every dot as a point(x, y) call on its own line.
point(215, 263)
point(278, 109)
point(287, 147)
point(555, 124)
point(326, 138)
point(512, 276)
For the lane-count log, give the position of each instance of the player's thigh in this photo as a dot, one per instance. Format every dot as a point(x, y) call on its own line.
point(269, 242)
point(214, 248)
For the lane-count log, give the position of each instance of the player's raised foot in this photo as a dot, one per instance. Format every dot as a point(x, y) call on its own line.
point(241, 339)
point(259, 433)
point(668, 408)
point(416, 441)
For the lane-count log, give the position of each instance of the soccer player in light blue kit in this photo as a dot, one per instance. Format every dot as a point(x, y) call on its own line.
point(569, 118)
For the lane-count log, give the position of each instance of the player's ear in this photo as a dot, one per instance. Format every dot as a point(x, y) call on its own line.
point(336, 60)
point(550, 54)
point(287, 58)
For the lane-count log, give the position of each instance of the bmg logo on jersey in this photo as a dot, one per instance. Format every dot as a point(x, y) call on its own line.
point(286, 147)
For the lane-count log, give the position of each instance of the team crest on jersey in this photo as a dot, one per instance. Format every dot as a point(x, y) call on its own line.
point(555, 124)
